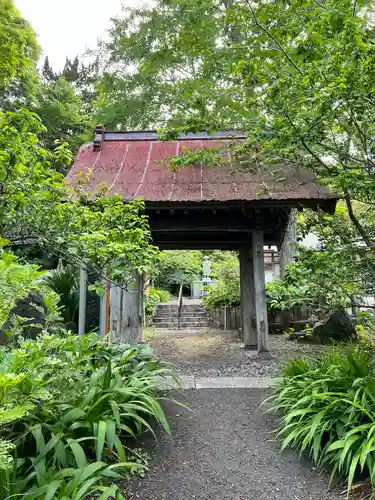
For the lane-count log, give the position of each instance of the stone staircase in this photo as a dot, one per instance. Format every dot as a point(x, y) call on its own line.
point(193, 316)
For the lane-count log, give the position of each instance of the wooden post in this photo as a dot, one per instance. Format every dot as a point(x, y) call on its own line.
point(179, 308)
point(115, 314)
point(131, 313)
point(103, 311)
point(249, 332)
point(82, 301)
point(108, 308)
point(260, 292)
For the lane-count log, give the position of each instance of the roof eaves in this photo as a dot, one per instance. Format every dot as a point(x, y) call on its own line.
point(153, 135)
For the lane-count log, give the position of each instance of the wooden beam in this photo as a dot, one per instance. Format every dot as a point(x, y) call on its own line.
point(247, 298)
point(260, 291)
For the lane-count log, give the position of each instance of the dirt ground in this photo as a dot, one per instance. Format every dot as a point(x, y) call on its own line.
point(215, 352)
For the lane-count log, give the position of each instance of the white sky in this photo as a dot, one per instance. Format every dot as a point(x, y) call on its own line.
point(69, 27)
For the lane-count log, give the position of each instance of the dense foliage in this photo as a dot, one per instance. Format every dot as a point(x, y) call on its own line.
point(37, 205)
point(152, 299)
point(64, 281)
point(170, 58)
point(19, 48)
point(68, 403)
point(68, 406)
point(178, 268)
point(226, 291)
point(328, 408)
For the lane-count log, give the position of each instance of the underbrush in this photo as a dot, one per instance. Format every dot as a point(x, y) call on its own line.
point(69, 405)
point(328, 411)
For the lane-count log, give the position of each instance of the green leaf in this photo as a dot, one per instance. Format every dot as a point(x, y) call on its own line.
point(107, 376)
point(78, 452)
point(72, 415)
point(52, 489)
point(100, 439)
point(110, 433)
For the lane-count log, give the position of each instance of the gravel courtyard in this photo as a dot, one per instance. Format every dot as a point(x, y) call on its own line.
point(214, 353)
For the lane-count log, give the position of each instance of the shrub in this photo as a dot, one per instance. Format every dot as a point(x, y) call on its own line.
point(153, 299)
point(68, 405)
point(223, 294)
point(328, 408)
point(65, 283)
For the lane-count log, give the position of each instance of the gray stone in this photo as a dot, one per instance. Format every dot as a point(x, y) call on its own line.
point(168, 383)
point(337, 327)
point(232, 382)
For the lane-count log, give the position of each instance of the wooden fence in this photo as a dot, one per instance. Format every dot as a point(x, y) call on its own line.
point(230, 319)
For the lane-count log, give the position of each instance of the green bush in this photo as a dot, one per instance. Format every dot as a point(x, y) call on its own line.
point(222, 294)
point(153, 299)
point(68, 405)
point(328, 408)
point(226, 291)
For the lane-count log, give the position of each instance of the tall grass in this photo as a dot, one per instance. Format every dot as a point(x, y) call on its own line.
point(328, 408)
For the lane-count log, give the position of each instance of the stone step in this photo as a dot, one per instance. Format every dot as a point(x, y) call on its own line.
point(167, 307)
point(190, 321)
point(200, 314)
point(173, 325)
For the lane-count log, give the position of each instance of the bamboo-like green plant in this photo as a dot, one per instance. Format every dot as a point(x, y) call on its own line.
point(328, 408)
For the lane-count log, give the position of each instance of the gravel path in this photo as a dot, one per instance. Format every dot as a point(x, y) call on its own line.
point(215, 353)
point(224, 450)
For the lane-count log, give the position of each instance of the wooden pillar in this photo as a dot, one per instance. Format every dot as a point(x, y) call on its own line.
point(131, 317)
point(126, 312)
point(82, 301)
point(249, 331)
point(260, 292)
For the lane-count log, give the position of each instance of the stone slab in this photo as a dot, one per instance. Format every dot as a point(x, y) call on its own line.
point(233, 382)
point(184, 382)
point(191, 382)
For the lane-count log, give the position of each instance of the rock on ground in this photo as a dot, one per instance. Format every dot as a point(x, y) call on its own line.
point(338, 327)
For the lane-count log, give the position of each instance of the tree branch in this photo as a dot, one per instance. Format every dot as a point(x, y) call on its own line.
point(356, 222)
point(320, 4)
point(354, 7)
point(268, 33)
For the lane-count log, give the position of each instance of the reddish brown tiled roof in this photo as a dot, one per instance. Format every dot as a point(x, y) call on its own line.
point(130, 165)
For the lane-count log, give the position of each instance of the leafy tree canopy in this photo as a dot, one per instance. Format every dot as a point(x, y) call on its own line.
point(36, 205)
point(179, 268)
point(171, 60)
point(19, 48)
point(297, 76)
point(61, 111)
